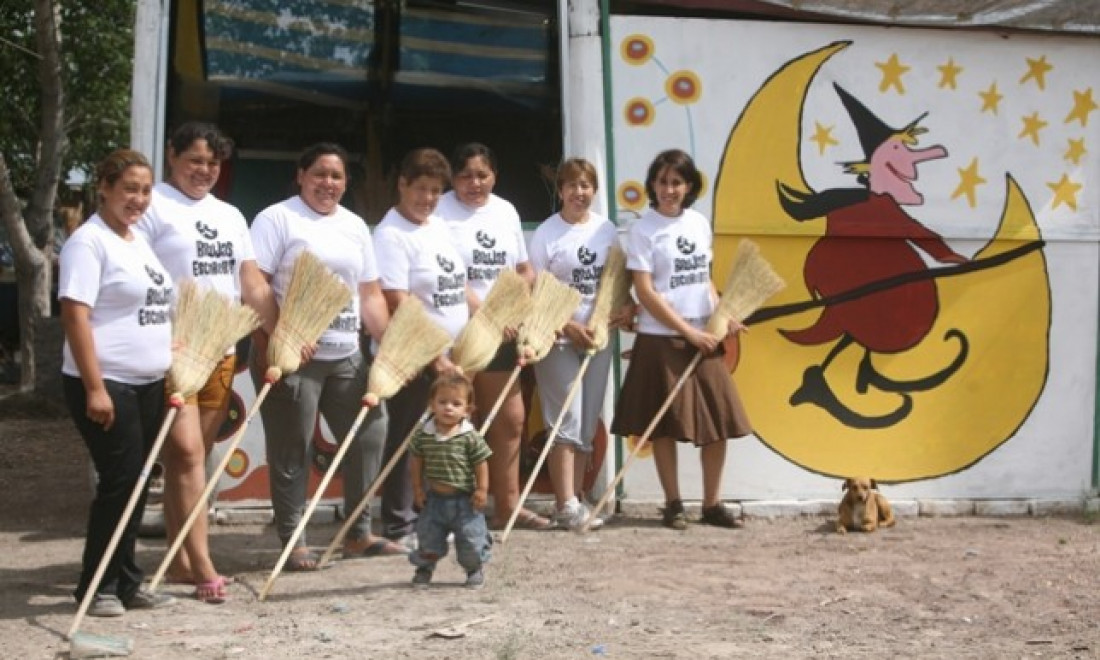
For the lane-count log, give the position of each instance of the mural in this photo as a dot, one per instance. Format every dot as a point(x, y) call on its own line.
point(922, 194)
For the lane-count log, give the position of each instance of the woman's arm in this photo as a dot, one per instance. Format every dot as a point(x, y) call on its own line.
point(374, 311)
point(256, 292)
point(76, 321)
point(656, 305)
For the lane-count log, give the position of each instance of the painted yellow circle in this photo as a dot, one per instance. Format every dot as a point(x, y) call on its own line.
point(683, 87)
point(637, 49)
point(639, 112)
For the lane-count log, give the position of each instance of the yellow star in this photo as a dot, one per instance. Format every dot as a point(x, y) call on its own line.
point(969, 180)
point(823, 136)
point(1032, 125)
point(948, 72)
point(1076, 151)
point(1065, 191)
point(892, 71)
point(1082, 106)
point(991, 98)
point(1037, 71)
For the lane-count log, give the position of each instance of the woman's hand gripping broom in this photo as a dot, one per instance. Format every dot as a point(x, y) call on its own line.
point(751, 282)
point(507, 303)
point(314, 297)
point(205, 325)
point(612, 295)
point(410, 342)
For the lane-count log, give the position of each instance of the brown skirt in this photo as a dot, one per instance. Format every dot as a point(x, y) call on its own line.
point(706, 409)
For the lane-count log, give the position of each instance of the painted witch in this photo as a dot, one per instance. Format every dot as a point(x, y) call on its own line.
point(868, 247)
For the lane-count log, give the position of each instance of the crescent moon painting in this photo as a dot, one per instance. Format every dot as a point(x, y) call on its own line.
point(889, 352)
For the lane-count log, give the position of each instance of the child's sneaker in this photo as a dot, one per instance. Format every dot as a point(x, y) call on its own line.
point(422, 578)
point(475, 579)
point(573, 514)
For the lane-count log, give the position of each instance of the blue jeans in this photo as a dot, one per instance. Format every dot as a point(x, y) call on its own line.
point(445, 514)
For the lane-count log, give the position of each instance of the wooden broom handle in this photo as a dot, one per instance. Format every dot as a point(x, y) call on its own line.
point(369, 494)
point(201, 503)
point(176, 403)
point(546, 447)
point(317, 495)
point(641, 442)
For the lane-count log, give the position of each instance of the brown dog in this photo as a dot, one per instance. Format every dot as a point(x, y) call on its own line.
point(863, 508)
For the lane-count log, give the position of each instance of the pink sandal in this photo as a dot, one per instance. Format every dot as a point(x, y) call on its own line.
point(212, 592)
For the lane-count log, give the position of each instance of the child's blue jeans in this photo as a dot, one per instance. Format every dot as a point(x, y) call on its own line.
point(445, 514)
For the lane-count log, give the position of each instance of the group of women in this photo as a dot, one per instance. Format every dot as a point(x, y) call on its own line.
point(445, 248)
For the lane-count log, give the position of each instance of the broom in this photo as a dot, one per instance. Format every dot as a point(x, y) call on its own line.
point(410, 342)
point(313, 295)
point(553, 304)
point(751, 282)
point(612, 294)
point(205, 326)
point(507, 303)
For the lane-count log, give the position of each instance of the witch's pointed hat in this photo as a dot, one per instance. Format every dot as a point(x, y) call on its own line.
point(872, 130)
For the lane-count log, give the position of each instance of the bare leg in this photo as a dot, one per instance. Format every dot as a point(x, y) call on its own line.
point(503, 437)
point(184, 480)
point(580, 466)
point(664, 456)
point(713, 458)
point(562, 473)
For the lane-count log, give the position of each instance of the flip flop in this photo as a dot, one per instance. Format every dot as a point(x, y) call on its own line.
point(213, 591)
point(171, 579)
point(381, 548)
point(303, 560)
point(528, 520)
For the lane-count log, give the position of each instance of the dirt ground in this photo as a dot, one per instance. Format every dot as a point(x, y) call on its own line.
point(784, 588)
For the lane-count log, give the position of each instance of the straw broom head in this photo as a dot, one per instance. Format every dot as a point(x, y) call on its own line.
point(507, 304)
point(554, 304)
point(612, 294)
point(206, 324)
point(752, 280)
point(313, 298)
point(411, 341)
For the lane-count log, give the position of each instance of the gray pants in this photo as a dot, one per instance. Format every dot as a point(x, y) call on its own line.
point(555, 374)
point(335, 390)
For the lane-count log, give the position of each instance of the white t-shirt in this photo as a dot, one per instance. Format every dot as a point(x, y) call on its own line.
point(574, 254)
point(341, 241)
point(677, 253)
point(205, 240)
point(488, 237)
point(422, 260)
point(130, 295)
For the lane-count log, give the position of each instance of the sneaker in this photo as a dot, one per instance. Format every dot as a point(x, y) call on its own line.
point(673, 515)
point(719, 516)
point(475, 579)
point(147, 600)
point(409, 541)
point(106, 605)
point(572, 516)
point(422, 578)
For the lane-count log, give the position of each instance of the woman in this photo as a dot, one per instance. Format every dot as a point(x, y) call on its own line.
point(334, 379)
point(115, 298)
point(418, 258)
point(487, 232)
point(669, 254)
point(572, 245)
point(196, 235)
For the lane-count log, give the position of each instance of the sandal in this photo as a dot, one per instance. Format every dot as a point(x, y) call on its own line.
point(527, 520)
point(673, 515)
point(378, 548)
point(302, 560)
point(719, 516)
point(212, 592)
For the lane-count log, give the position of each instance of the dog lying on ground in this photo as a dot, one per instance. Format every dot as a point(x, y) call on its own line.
point(863, 508)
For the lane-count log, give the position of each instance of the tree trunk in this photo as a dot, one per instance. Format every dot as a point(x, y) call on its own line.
point(30, 229)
